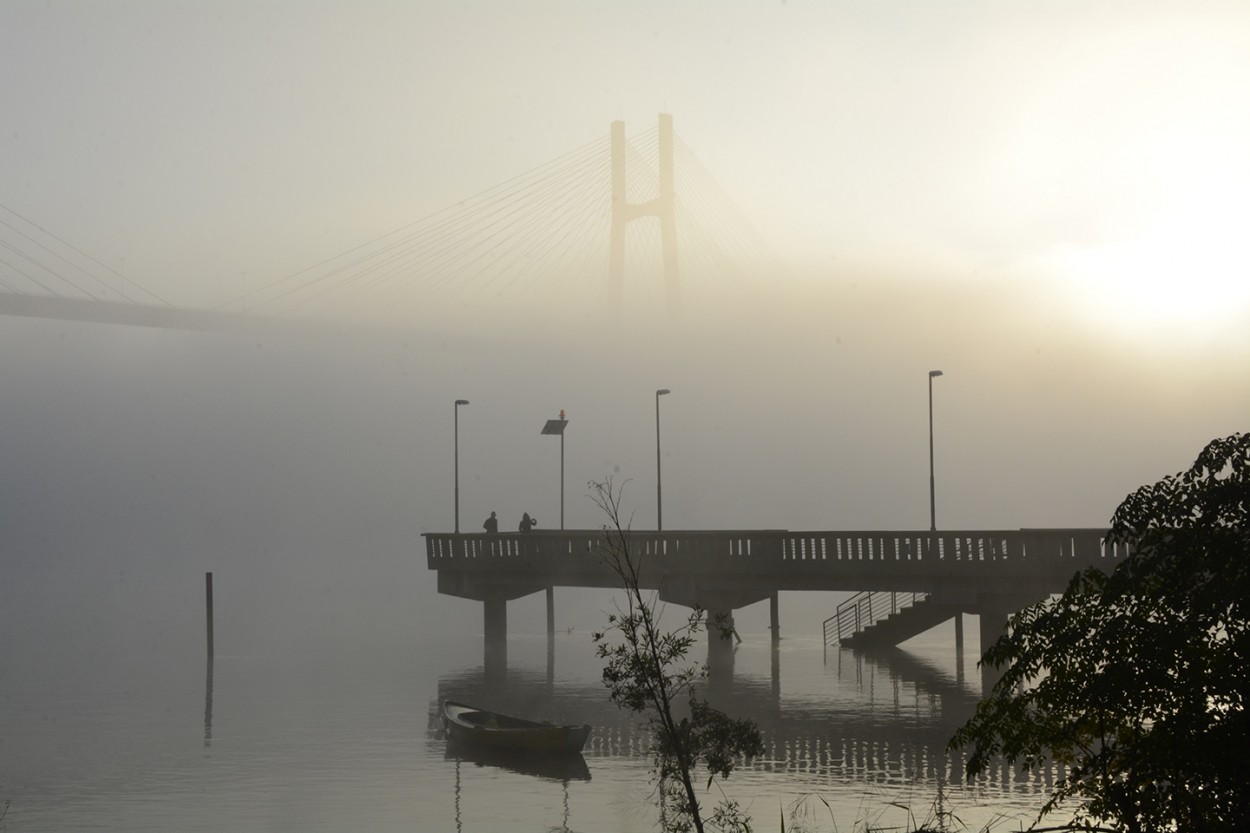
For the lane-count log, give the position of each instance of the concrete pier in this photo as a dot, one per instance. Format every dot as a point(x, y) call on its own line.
point(990, 573)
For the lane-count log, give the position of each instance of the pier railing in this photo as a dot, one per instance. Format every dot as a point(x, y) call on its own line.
point(447, 548)
point(794, 557)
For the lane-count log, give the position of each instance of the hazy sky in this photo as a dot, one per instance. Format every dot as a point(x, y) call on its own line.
point(207, 147)
point(1049, 201)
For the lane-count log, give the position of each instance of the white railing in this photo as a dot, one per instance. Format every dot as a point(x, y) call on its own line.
point(737, 551)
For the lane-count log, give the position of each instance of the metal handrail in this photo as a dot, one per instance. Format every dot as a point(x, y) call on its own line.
point(863, 610)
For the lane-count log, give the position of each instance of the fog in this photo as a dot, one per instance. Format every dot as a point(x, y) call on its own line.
point(1038, 204)
point(302, 471)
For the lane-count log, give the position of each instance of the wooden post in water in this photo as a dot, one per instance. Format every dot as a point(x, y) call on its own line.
point(208, 610)
point(208, 674)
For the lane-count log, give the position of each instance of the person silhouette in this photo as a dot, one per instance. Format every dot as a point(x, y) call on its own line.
point(527, 523)
point(491, 525)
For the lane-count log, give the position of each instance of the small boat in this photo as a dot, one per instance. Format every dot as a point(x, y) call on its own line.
point(482, 728)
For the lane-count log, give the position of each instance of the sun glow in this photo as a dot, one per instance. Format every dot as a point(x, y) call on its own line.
point(1137, 173)
point(1193, 282)
point(1184, 264)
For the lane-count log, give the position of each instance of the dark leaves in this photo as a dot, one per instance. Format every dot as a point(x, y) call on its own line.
point(1138, 680)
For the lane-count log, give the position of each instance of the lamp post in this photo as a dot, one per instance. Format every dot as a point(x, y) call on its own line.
point(932, 496)
point(556, 426)
point(659, 493)
point(456, 452)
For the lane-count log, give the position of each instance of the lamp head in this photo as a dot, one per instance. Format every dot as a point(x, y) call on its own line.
point(462, 402)
point(933, 373)
point(662, 391)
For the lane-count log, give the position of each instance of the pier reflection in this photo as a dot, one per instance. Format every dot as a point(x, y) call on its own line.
point(887, 721)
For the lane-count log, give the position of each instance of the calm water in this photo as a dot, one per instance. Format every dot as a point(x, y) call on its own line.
point(346, 738)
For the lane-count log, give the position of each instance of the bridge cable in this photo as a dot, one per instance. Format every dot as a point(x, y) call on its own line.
point(510, 230)
point(494, 235)
point(123, 278)
point(437, 214)
point(449, 228)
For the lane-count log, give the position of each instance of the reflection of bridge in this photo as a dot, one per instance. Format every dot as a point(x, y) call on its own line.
point(988, 573)
point(895, 733)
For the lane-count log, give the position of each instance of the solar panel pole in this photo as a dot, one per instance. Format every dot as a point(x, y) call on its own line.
point(556, 426)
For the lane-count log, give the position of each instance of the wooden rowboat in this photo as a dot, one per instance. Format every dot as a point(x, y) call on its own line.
point(487, 729)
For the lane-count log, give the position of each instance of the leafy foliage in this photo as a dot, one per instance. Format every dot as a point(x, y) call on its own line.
point(1138, 681)
point(645, 672)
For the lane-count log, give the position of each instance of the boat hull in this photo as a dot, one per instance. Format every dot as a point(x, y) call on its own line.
point(486, 729)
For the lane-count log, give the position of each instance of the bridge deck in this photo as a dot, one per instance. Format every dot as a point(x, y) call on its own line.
point(751, 564)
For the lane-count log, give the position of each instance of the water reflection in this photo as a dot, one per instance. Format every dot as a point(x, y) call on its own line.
point(884, 718)
point(459, 824)
point(208, 704)
point(557, 767)
point(566, 766)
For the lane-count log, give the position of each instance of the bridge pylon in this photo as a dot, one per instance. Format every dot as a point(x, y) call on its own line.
point(663, 206)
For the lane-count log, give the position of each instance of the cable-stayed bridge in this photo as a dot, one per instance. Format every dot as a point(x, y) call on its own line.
point(609, 221)
point(616, 221)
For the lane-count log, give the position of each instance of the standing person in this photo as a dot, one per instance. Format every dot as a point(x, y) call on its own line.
point(491, 525)
point(527, 523)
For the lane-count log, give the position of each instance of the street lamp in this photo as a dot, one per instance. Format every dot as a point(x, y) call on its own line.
point(556, 426)
point(932, 498)
point(659, 500)
point(459, 402)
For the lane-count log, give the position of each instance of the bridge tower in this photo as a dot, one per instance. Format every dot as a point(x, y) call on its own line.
point(663, 206)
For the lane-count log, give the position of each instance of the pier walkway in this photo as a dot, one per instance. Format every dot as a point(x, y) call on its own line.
point(990, 573)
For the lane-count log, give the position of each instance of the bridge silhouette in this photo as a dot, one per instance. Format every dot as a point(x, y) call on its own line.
point(989, 573)
point(578, 227)
point(646, 208)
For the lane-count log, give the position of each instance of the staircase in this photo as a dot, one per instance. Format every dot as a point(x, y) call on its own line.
point(878, 619)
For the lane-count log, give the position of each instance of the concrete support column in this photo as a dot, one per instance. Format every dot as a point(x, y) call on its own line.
point(993, 624)
point(720, 649)
point(959, 647)
point(774, 617)
point(666, 208)
point(775, 672)
point(495, 622)
point(551, 633)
